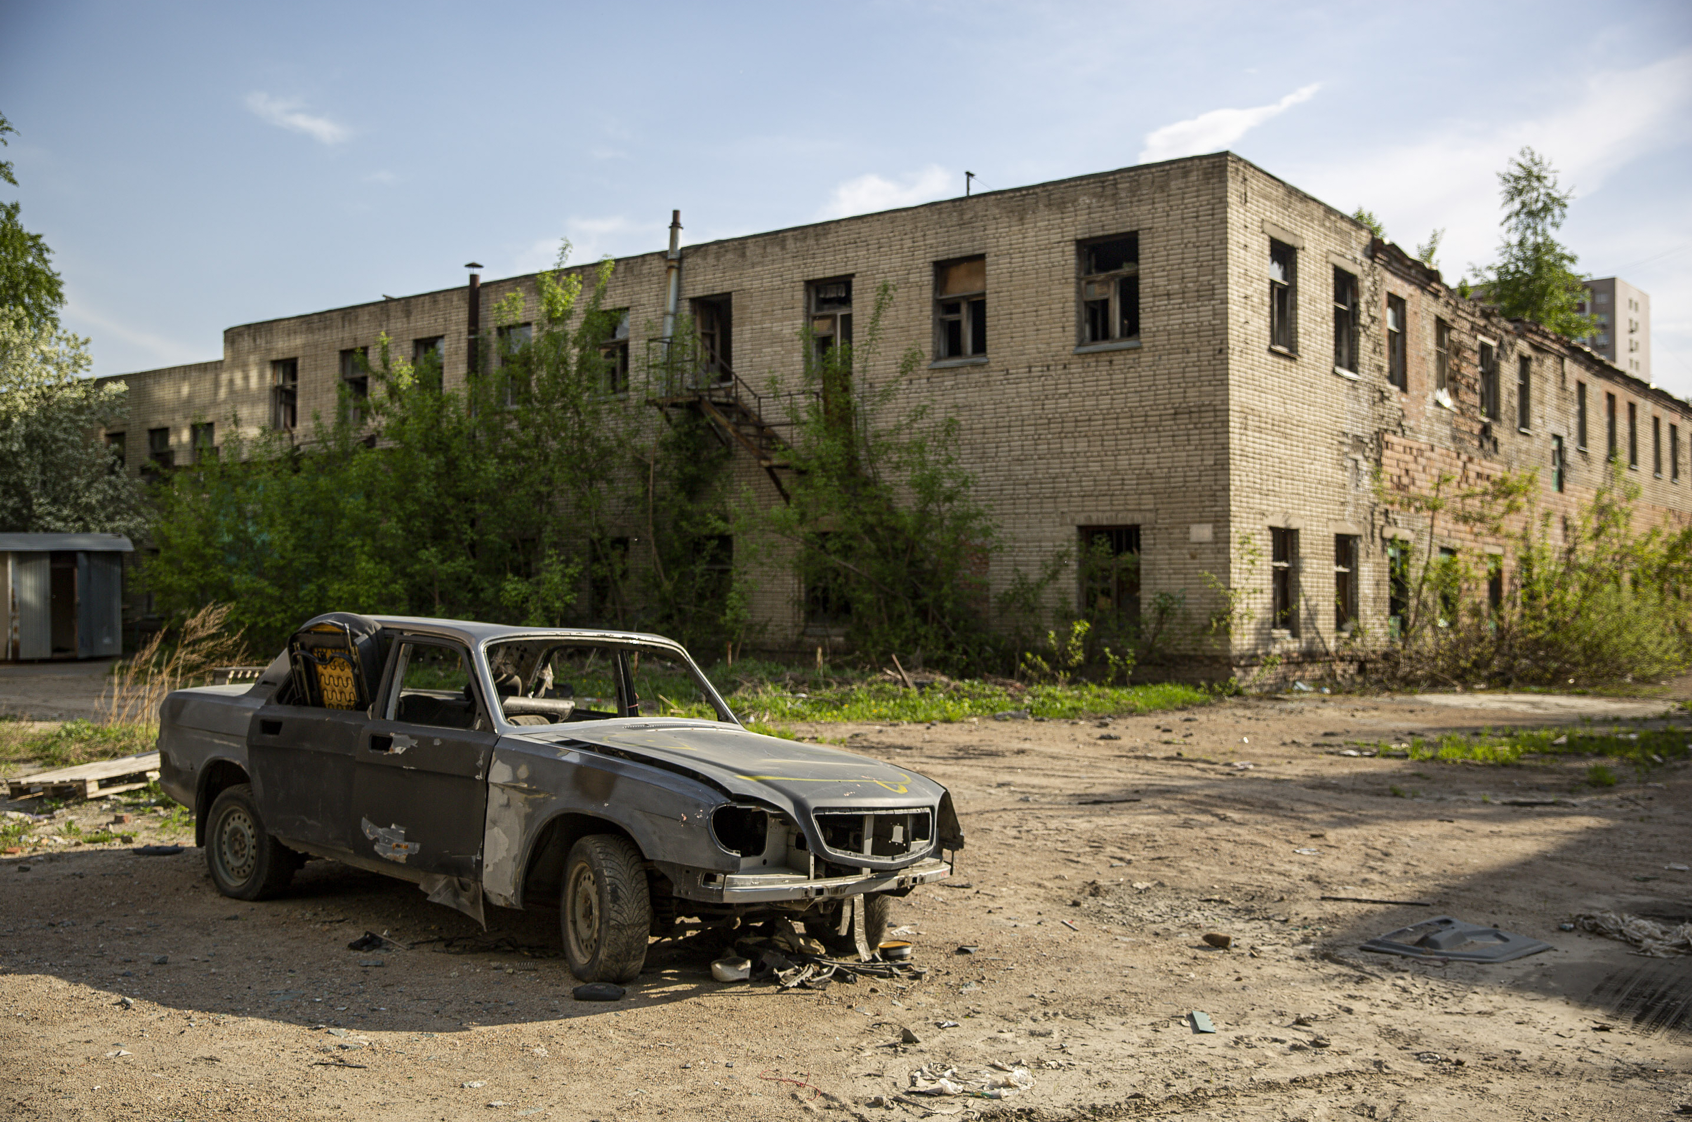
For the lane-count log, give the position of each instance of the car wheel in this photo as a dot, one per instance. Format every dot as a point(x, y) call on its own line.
point(246, 862)
point(878, 906)
point(607, 909)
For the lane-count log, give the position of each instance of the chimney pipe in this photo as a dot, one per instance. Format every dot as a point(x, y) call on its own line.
point(672, 266)
point(475, 319)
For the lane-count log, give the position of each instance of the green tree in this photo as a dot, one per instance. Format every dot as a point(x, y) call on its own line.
point(56, 475)
point(1534, 277)
point(27, 279)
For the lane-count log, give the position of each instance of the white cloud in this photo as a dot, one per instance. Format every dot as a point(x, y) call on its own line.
point(872, 192)
point(286, 113)
point(1215, 130)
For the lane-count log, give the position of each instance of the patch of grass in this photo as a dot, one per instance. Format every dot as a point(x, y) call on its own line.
point(1644, 748)
point(179, 819)
point(76, 742)
point(1600, 776)
point(13, 831)
point(884, 701)
point(100, 837)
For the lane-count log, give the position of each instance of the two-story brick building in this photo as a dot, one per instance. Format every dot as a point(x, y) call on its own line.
point(1190, 361)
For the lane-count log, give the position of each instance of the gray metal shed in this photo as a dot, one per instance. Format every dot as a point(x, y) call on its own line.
point(62, 595)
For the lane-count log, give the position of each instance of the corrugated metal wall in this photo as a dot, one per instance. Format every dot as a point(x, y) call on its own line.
point(32, 582)
point(99, 578)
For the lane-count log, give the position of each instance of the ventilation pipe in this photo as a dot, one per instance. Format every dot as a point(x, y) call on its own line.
point(672, 267)
point(475, 317)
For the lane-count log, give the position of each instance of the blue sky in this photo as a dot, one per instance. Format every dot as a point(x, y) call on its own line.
point(196, 166)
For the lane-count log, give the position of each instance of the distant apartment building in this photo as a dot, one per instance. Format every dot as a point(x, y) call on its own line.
point(1191, 364)
point(1623, 313)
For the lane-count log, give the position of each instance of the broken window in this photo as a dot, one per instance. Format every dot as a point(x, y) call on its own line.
point(284, 393)
point(1110, 573)
point(1674, 453)
point(1398, 588)
point(1524, 393)
point(428, 358)
point(1633, 436)
point(960, 308)
point(1398, 356)
point(1283, 572)
point(115, 442)
point(1442, 357)
point(1448, 581)
point(1283, 291)
point(828, 602)
point(202, 440)
point(1559, 463)
point(1110, 289)
point(544, 682)
point(1494, 583)
point(1345, 583)
point(1610, 426)
point(434, 687)
point(1490, 405)
point(713, 319)
point(1657, 447)
point(615, 349)
point(1580, 415)
point(1345, 321)
point(355, 380)
point(829, 305)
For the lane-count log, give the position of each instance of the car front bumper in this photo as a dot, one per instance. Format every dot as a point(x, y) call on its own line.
point(775, 887)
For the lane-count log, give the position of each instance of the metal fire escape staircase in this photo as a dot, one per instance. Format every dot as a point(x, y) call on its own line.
point(739, 415)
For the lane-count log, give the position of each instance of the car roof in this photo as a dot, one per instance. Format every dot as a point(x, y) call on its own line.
point(472, 632)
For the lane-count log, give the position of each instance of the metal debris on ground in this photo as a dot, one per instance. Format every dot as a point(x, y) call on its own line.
point(731, 969)
point(1201, 1022)
point(1652, 939)
point(1447, 938)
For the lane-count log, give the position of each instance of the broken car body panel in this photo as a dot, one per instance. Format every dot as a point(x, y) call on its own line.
point(463, 756)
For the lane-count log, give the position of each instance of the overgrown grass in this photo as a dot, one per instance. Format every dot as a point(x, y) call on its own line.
point(1644, 748)
point(885, 701)
point(74, 742)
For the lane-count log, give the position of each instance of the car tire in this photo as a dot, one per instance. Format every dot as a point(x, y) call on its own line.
point(878, 907)
point(246, 862)
point(606, 911)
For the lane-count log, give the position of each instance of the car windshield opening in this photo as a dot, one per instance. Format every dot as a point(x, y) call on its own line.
point(545, 681)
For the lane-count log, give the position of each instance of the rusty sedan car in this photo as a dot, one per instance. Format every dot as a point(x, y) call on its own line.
point(592, 771)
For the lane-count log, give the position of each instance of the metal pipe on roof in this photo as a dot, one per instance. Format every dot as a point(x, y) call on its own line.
point(672, 268)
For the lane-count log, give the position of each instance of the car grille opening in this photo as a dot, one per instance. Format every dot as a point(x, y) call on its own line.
point(741, 829)
point(876, 833)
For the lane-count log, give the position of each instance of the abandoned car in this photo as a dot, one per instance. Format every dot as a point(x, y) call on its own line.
point(596, 772)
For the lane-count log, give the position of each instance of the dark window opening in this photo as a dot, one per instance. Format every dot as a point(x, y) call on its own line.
point(1345, 583)
point(830, 311)
point(284, 393)
point(713, 320)
point(1110, 289)
point(160, 456)
point(1674, 453)
point(1580, 416)
point(828, 601)
point(202, 440)
point(1495, 583)
point(1449, 582)
point(1283, 571)
point(1657, 447)
point(614, 349)
point(355, 379)
point(1398, 351)
point(1398, 588)
point(1559, 464)
point(1633, 436)
point(1283, 290)
point(960, 308)
point(428, 359)
point(115, 442)
point(1490, 405)
point(512, 357)
point(1442, 357)
point(1610, 426)
point(1110, 573)
point(1524, 393)
point(1345, 321)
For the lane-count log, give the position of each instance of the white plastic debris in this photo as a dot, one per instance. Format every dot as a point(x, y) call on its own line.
point(733, 969)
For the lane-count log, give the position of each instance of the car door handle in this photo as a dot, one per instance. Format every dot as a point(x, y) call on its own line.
point(397, 743)
point(270, 728)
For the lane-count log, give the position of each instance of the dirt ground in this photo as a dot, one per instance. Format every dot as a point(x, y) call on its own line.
point(1098, 855)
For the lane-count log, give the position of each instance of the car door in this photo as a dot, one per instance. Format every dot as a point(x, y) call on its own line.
point(302, 760)
point(420, 777)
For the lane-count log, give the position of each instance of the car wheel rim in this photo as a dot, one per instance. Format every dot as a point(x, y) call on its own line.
point(583, 913)
point(237, 846)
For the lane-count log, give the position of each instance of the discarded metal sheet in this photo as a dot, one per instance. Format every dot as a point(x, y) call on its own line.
point(1447, 938)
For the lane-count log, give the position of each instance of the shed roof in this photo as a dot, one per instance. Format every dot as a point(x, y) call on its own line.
point(47, 543)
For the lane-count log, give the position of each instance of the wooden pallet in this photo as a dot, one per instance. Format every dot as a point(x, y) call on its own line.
point(88, 781)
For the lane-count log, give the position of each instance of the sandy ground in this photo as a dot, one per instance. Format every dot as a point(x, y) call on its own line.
point(130, 989)
point(54, 691)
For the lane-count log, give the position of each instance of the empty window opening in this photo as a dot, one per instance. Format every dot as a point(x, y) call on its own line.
point(1442, 357)
point(960, 308)
point(202, 440)
point(1524, 393)
point(1110, 573)
point(511, 346)
point(829, 305)
point(828, 601)
point(1448, 580)
point(713, 320)
point(1345, 321)
point(1657, 447)
point(1580, 416)
point(614, 349)
point(115, 442)
point(1345, 583)
point(1495, 582)
point(1490, 405)
point(1398, 351)
point(1610, 426)
point(1283, 292)
point(1283, 576)
point(355, 381)
point(1633, 436)
point(284, 393)
point(428, 358)
point(1398, 588)
point(159, 453)
point(1674, 453)
point(1559, 464)
point(1110, 289)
